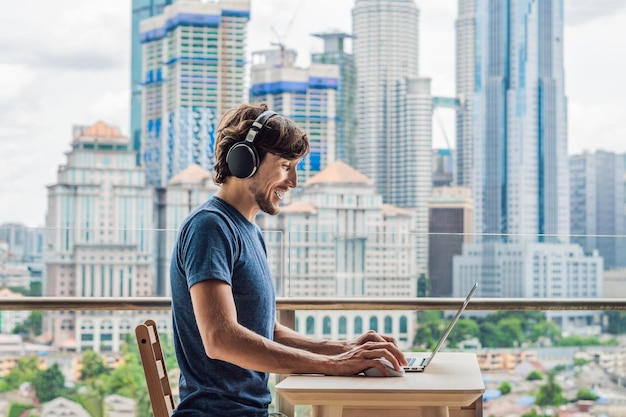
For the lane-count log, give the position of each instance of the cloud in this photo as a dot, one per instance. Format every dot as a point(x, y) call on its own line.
point(77, 35)
point(583, 11)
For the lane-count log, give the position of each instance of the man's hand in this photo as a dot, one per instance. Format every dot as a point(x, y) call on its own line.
point(370, 336)
point(362, 353)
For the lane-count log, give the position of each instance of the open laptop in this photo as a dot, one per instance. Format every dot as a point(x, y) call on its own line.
point(420, 363)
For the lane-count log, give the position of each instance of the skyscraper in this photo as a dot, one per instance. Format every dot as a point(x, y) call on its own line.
point(194, 57)
point(306, 95)
point(394, 109)
point(597, 205)
point(142, 9)
point(335, 53)
point(337, 238)
point(511, 128)
point(100, 241)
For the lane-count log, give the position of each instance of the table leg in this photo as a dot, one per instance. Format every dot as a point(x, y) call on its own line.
point(433, 411)
point(327, 410)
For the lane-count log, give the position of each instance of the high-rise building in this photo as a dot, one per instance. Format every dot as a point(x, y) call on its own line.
point(449, 226)
point(597, 205)
point(305, 95)
point(194, 58)
point(335, 53)
point(394, 109)
point(99, 238)
point(184, 192)
point(142, 9)
point(337, 238)
point(530, 269)
point(511, 126)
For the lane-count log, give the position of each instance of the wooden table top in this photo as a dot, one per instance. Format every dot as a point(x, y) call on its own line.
point(451, 379)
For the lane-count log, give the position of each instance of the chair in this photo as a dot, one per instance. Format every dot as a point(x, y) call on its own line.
point(154, 369)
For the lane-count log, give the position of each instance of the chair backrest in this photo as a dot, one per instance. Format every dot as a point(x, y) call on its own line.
point(154, 369)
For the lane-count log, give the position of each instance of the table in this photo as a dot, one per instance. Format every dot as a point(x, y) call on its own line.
point(450, 386)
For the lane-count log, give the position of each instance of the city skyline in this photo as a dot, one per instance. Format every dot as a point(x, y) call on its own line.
point(75, 70)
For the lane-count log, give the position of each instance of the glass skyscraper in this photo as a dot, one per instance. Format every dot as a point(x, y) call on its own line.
point(394, 109)
point(334, 53)
point(194, 57)
point(511, 127)
point(142, 9)
point(306, 95)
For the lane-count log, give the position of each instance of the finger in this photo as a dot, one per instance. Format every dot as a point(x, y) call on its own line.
point(390, 339)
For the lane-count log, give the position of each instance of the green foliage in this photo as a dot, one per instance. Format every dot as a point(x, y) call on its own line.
point(429, 324)
point(505, 388)
point(511, 330)
point(423, 285)
point(464, 329)
point(546, 329)
point(533, 413)
point(586, 394)
point(580, 361)
point(50, 384)
point(31, 326)
point(490, 336)
point(616, 323)
point(25, 370)
point(550, 394)
point(534, 376)
point(580, 341)
point(93, 365)
point(18, 408)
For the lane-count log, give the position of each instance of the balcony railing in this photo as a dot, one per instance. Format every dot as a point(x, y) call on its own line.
point(287, 307)
point(326, 303)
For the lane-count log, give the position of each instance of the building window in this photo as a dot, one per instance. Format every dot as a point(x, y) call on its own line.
point(326, 326)
point(310, 325)
point(374, 323)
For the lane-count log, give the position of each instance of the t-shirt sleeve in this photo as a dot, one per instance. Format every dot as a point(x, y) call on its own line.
point(207, 249)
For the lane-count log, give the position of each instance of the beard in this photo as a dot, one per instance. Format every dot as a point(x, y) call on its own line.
point(264, 203)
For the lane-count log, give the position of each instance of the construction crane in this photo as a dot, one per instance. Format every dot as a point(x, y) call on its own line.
point(280, 40)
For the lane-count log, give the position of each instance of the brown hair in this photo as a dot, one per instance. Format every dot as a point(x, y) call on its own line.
point(280, 136)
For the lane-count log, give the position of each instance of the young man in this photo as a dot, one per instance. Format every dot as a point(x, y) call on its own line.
point(226, 335)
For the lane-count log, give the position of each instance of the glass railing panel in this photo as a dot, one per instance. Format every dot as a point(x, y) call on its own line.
point(128, 263)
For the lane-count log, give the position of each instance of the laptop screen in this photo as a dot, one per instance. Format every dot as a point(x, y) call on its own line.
point(452, 323)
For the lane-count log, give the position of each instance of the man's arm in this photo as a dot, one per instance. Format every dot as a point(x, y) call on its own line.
point(225, 339)
point(287, 336)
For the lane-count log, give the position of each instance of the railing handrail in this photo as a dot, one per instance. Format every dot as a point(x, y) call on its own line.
point(323, 303)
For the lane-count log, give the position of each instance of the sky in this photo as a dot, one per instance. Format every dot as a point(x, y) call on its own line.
point(67, 62)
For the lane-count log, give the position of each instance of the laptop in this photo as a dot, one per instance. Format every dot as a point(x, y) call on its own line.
point(420, 363)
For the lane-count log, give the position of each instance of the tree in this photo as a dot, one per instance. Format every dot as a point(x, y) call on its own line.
point(616, 323)
point(510, 331)
point(586, 394)
point(50, 384)
point(423, 285)
point(546, 329)
point(25, 370)
point(464, 329)
point(31, 326)
point(489, 336)
point(93, 365)
point(534, 376)
point(505, 387)
point(550, 394)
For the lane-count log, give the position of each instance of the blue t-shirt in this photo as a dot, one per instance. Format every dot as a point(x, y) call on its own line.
point(217, 242)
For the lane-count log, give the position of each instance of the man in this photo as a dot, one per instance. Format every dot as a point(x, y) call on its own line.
point(226, 336)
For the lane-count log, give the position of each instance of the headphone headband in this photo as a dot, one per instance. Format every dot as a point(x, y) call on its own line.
point(259, 124)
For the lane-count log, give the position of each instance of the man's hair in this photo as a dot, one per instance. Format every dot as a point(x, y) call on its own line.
point(280, 136)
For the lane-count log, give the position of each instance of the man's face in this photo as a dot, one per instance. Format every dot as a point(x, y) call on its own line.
point(271, 182)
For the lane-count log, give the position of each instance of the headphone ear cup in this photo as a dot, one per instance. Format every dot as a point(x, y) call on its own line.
point(242, 160)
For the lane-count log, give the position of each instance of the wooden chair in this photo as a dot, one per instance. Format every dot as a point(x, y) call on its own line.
point(154, 369)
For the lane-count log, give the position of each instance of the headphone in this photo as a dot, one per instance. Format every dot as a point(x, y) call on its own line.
point(242, 158)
